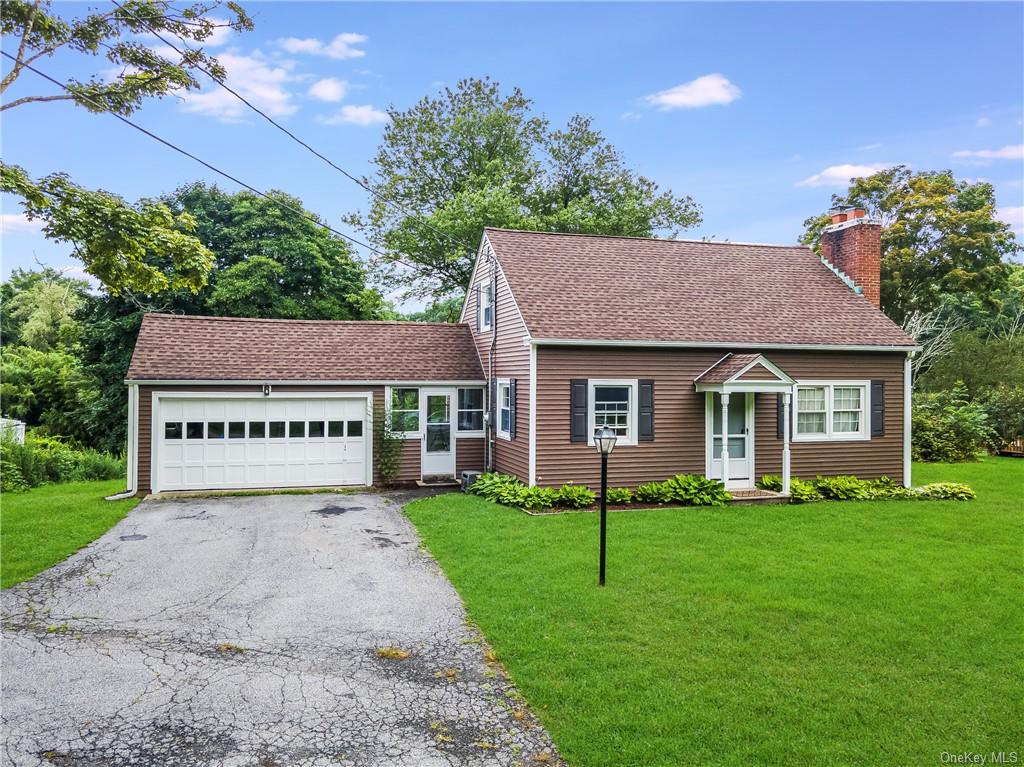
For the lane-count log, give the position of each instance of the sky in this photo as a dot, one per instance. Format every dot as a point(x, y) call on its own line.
point(760, 111)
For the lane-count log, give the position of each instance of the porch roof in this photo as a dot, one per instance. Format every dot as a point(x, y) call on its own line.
point(744, 372)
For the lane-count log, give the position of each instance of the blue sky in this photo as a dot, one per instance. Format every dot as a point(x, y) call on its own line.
point(753, 109)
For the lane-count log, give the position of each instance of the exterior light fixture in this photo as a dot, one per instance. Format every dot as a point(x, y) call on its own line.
point(604, 441)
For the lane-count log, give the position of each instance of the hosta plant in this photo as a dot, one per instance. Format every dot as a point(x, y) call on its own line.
point(575, 497)
point(946, 491)
point(619, 495)
point(538, 498)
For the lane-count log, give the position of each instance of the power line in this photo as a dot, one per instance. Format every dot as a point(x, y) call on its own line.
point(215, 169)
point(411, 214)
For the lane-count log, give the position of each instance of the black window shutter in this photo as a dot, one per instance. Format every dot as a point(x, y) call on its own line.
point(780, 417)
point(512, 408)
point(578, 410)
point(479, 312)
point(646, 411)
point(878, 408)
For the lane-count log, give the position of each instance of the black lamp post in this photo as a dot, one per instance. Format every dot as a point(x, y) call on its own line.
point(604, 440)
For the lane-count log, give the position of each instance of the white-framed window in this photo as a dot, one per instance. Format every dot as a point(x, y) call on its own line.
point(504, 408)
point(404, 410)
point(832, 410)
point(486, 307)
point(613, 403)
point(470, 418)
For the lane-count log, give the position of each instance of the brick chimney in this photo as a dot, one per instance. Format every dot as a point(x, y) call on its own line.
point(852, 243)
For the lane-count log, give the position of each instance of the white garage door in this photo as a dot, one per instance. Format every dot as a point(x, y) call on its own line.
point(231, 442)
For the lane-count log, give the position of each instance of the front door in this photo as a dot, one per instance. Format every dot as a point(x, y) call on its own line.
point(438, 453)
point(739, 435)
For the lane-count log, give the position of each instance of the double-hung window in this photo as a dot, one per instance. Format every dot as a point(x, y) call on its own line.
point(471, 410)
point(504, 409)
point(405, 410)
point(832, 410)
point(614, 404)
point(486, 307)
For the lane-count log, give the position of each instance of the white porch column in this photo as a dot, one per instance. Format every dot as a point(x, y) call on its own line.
point(786, 397)
point(725, 439)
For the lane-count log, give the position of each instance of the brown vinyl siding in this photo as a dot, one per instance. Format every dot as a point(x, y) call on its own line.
point(469, 454)
point(511, 360)
point(679, 444)
point(758, 373)
point(410, 466)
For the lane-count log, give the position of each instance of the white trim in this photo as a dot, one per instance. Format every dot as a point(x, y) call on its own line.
point(634, 408)
point(155, 421)
point(472, 433)
point(484, 286)
point(472, 277)
point(498, 383)
point(133, 438)
point(908, 393)
point(300, 382)
point(418, 434)
point(720, 345)
point(787, 409)
point(768, 365)
point(713, 365)
point(532, 436)
point(453, 415)
point(742, 386)
point(750, 411)
point(864, 435)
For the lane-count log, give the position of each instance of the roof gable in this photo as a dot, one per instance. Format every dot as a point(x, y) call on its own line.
point(572, 287)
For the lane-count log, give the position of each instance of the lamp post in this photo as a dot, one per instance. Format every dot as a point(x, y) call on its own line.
point(604, 440)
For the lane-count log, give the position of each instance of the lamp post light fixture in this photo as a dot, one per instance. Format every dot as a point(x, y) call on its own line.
point(604, 440)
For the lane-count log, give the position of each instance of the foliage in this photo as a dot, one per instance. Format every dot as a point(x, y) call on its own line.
point(842, 488)
point(695, 490)
point(772, 482)
point(978, 361)
point(112, 237)
point(474, 156)
point(538, 498)
point(1004, 406)
point(619, 495)
point(576, 497)
point(651, 492)
point(887, 488)
point(43, 460)
point(940, 237)
point(387, 450)
point(441, 310)
point(946, 491)
point(39, 308)
point(500, 488)
point(948, 427)
point(801, 491)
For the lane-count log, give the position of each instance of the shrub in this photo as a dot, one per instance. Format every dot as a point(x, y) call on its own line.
point(946, 491)
point(886, 488)
point(538, 498)
point(619, 495)
point(695, 490)
point(493, 487)
point(842, 488)
point(801, 491)
point(651, 492)
point(93, 465)
point(772, 482)
point(1004, 406)
point(11, 480)
point(42, 459)
point(575, 497)
point(947, 427)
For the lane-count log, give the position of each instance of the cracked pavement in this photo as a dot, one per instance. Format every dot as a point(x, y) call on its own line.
point(244, 631)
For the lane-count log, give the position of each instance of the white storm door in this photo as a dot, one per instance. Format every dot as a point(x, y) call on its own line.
point(739, 435)
point(437, 457)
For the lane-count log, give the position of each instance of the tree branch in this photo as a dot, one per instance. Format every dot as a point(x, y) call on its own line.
point(30, 99)
point(13, 74)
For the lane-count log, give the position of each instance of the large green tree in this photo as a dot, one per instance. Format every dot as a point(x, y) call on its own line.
point(476, 156)
point(940, 237)
point(111, 236)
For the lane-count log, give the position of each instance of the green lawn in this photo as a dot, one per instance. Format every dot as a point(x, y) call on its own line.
point(879, 633)
point(46, 525)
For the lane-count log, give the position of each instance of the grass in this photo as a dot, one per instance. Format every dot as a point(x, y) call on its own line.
point(872, 632)
point(47, 524)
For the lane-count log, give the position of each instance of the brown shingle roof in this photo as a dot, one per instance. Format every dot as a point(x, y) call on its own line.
point(726, 368)
point(571, 286)
point(173, 347)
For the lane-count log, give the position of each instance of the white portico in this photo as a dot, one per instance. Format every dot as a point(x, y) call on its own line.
point(730, 387)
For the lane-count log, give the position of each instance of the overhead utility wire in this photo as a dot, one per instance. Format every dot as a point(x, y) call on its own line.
point(204, 163)
point(377, 195)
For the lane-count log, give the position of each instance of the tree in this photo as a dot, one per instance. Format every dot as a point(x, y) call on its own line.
point(940, 237)
point(474, 157)
point(109, 235)
point(43, 311)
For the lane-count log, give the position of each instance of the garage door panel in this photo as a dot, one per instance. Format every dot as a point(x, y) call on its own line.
point(241, 455)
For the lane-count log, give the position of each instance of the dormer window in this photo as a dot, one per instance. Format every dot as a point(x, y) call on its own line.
point(485, 306)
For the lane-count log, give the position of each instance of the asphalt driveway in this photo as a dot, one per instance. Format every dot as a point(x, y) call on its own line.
point(245, 631)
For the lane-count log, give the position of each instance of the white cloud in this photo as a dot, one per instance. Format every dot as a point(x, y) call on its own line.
point(355, 115)
point(1012, 215)
point(220, 34)
point(705, 91)
point(264, 83)
point(1009, 152)
point(630, 116)
point(839, 175)
point(328, 89)
point(12, 223)
point(341, 47)
point(983, 122)
point(868, 147)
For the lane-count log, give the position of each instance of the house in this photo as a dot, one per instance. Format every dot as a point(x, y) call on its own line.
point(723, 359)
